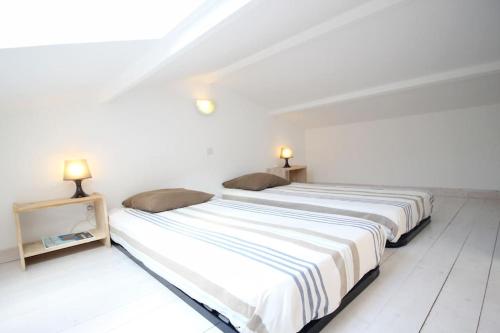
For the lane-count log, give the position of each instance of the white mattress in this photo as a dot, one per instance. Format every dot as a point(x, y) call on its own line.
point(267, 269)
point(397, 210)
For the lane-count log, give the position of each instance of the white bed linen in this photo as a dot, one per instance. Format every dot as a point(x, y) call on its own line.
point(267, 269)
point(397, 210)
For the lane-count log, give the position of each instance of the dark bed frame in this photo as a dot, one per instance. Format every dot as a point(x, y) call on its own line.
point(406, 238)
point(225, 326)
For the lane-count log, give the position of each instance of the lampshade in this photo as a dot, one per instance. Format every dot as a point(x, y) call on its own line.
point(76, 169)
point(205, 106)
point(286, 153)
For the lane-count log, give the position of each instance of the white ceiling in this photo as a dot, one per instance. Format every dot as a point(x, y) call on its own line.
point(459, 94)
point(409, 40)
point(258, 26)
point(305, 59)
point(29, 75)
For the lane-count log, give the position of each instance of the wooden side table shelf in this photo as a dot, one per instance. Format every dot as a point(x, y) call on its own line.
point(100, 232)
point(295, 173)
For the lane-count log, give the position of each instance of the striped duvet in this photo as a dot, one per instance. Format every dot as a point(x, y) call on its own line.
point(397, 210)
point(267, 269)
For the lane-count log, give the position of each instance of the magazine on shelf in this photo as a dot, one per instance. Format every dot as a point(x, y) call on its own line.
point(52, 241)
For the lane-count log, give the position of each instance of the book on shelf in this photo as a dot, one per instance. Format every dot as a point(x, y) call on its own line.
point(52, 241)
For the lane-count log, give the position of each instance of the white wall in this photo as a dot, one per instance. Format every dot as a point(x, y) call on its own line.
point(149, 139)
point(450, 149)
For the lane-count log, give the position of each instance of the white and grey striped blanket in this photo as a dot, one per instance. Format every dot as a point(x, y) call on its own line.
point(267, 269)
point(397, 210)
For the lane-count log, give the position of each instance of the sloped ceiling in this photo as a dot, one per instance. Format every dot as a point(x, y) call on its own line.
point(34, 74)
point(459, 94)
point(409, 40)
point(315, 61)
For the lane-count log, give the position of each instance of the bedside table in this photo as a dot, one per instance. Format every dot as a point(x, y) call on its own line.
point(100, 232)
point(296, 173)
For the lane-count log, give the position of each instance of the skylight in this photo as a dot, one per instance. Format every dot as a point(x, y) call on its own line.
point(51, 22)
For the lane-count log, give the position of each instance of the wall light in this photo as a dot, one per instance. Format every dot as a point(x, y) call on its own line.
point(205, 106)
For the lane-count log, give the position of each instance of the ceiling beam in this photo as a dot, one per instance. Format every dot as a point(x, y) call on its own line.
point(356, 14)
point(211, 14)
point(453, 75)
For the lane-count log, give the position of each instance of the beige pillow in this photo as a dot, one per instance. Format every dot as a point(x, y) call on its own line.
point(256, 182)
point(166, 199)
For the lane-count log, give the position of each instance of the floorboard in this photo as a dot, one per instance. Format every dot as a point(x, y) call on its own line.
point(458, 305)
point(94, 290)
point(407, 309)
point(395, 269)
point(489, 321)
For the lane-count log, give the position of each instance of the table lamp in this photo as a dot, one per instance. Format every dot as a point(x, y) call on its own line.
point(77, 170)
point(285, 154)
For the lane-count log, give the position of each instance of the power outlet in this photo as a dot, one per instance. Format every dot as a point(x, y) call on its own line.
point(90, 213)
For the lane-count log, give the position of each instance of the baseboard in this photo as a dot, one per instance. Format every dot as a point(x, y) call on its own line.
point(9, 254)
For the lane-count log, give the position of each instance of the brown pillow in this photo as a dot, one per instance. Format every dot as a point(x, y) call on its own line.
point(166, 199)
point(256, 182)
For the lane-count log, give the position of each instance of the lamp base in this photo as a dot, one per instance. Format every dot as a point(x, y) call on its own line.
point(79, 193)
point(286, 163)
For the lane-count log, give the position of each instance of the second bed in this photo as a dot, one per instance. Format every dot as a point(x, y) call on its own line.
point(402, 213)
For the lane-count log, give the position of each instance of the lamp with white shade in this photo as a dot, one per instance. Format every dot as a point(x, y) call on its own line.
point(286, 153)
point(77, 170)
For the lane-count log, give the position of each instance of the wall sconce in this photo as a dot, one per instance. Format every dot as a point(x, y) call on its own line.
point(205, 106)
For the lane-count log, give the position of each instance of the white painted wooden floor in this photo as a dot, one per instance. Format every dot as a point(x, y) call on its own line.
point(446, 280)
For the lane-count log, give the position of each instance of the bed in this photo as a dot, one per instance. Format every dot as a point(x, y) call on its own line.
point(402, 213)
point(261, 268)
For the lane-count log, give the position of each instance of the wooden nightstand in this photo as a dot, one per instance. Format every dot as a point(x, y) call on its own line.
point(295, 173)
point(100, 232)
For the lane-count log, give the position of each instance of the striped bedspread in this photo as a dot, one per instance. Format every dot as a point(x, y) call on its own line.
point(397, 210)
point(267, 269)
